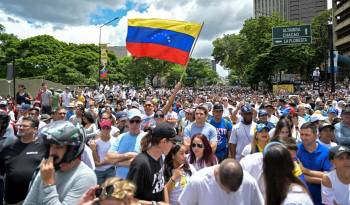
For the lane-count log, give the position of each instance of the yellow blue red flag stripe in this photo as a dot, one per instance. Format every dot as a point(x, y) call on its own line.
point(162, 39)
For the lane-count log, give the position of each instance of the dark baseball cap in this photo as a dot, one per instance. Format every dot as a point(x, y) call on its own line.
point(164, 130)
point(324, 125)
point(336, 151)
point(121, 115)
point(218, 107)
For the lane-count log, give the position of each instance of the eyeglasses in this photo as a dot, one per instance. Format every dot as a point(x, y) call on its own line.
point(107, 191)
point(197, 145)
point(105, 128)
point(148, 105)
point(158, 116)
point(24, 126)
point(134, 121)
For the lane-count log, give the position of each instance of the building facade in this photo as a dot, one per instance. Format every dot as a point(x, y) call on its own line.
point(268, 7)
point(292, 10)
point(341, 26)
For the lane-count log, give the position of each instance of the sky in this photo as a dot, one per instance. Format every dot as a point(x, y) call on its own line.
point(79, 21)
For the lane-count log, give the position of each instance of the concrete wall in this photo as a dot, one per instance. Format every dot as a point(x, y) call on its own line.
point(32, 86)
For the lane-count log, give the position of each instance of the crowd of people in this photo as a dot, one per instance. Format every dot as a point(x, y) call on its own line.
point(211, 145)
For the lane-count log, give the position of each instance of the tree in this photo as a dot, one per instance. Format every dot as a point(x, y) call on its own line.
point(251, 54)
point(199, 72)
point(319, 26)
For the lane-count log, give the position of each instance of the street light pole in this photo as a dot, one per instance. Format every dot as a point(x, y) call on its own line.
point(331, 55)
point(99, 48)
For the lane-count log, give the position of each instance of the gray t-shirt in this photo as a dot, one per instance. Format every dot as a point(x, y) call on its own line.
point(208, 130)
point(45, 98)
point(342, 134)
point(69, 187)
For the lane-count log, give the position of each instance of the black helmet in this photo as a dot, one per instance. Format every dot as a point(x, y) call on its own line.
point(5, 120)
point(65, 133)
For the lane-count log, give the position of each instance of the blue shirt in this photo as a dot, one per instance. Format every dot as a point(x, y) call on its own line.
point(317, 161)
point(123, 144)
point(222, 128)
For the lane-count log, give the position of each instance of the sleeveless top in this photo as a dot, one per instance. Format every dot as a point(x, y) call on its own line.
point(341, 191)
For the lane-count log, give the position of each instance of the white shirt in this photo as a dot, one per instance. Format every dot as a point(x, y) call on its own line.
point(297, 196)
point(102, 148)
point(87, 157)
point(253, 164)
point(66, 98)
point(227, 110)
point(340, 193)
point(179, 185)
point(242, 135)
point(203, 189)
point(247, 150)
point(332, 144)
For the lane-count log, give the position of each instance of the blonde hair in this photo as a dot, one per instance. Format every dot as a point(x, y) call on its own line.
point(123, 190)
point(254, 142)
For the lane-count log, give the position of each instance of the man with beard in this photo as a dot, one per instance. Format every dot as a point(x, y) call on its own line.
point(242, 133)
point(63, 178)
point(19, 160)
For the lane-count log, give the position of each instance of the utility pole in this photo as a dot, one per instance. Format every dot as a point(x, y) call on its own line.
point(100, 66)
point(331, 54)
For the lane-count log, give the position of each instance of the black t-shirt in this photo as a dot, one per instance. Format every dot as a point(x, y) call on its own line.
point(22, 98)
point(18, 161)
point(147, 174)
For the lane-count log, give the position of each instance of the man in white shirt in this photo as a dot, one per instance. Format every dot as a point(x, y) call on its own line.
point(242, 133)
point(65, 98)
point(226, 183)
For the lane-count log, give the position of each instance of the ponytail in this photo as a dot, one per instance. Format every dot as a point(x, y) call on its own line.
point(146, 141)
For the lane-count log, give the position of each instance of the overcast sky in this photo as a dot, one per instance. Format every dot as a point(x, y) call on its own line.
point(78, 21)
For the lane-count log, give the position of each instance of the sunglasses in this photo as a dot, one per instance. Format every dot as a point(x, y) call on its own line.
point(106, 191)
point(148, 105)
point(197, 145)
point(158, 116)
point(134, 121)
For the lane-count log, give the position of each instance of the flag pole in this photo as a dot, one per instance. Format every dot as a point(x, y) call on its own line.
point(189, 56)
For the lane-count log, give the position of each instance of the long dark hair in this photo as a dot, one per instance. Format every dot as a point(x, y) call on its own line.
point(168, 163)
point(89, 117)
point(278, 169)
point(208, 157)
point(281, 124)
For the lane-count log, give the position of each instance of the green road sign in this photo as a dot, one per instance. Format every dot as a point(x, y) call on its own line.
point(291, 35)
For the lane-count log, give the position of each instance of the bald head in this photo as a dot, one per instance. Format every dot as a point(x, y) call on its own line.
point(231, 174)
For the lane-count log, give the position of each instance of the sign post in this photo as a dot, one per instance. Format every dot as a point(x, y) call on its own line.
point(290, 35)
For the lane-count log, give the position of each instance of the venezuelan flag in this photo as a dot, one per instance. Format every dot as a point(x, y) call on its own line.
point(168, 40)
point(103, 72)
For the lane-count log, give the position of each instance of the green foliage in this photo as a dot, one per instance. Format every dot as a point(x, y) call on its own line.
point(251, 56)
point(69, 63)
point(199, 73)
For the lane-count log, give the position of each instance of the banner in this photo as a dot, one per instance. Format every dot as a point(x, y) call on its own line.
point(283, 89)
point(104, 55)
